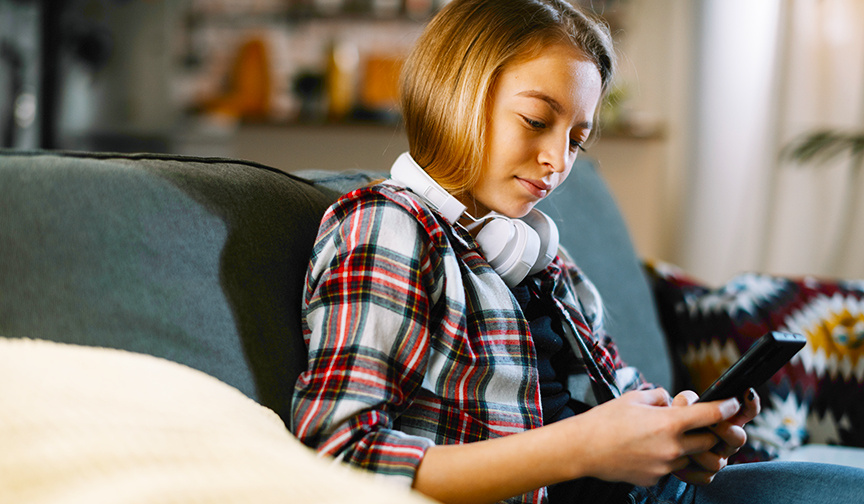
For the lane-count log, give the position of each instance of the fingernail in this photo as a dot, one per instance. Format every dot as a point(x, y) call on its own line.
point(751, 394)
point(729, 407)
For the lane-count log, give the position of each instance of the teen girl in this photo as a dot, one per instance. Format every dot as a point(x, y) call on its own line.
point(437, 361)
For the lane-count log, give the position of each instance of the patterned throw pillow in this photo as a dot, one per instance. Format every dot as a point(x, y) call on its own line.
point(819, 396)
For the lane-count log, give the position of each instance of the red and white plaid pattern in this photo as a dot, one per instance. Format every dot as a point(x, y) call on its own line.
point(414, 340)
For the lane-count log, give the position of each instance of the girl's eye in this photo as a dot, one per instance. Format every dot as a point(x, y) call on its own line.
point(576, 145)
point(539, 125)
point(535, 124)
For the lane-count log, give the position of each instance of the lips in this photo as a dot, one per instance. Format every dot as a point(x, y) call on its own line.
point(536, 187)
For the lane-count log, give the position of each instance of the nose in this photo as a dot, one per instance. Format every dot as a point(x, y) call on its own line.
point(555, 153)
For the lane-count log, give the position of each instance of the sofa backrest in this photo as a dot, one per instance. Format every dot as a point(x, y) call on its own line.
point(199, 261)
point(596, 236)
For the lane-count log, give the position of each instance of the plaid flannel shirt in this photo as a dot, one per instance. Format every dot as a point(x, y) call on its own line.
point(414, 340)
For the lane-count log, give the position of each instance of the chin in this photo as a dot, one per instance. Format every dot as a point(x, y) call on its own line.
point(515, 212)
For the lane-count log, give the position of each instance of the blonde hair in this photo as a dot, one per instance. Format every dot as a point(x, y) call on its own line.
point(449, 76)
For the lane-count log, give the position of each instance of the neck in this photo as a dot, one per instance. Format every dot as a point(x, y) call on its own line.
point(475, 210)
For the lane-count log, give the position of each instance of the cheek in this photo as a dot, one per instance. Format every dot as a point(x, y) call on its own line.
point(565, 174)
point(509, 143)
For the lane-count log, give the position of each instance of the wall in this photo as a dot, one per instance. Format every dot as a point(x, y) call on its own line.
point(648, 176)
point(138, 97)
point(645, 172)
point(20, 74)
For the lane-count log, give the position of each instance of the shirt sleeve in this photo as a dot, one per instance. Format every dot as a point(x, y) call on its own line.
point(366, 321)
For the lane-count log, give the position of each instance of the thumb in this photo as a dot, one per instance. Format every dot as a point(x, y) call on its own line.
point(709, 413)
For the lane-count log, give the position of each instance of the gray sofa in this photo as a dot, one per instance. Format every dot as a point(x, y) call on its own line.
point(201, 261)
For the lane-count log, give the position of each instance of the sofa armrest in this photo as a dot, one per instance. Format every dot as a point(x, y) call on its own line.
point(818, 397)
point(99, 425)
point(197, 260)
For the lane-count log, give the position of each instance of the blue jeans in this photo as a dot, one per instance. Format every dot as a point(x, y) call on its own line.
point(766, 482)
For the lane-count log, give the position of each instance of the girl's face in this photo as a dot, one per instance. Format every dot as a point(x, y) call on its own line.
point(541, 113)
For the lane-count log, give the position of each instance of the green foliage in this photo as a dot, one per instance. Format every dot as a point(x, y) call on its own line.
point(823, 145)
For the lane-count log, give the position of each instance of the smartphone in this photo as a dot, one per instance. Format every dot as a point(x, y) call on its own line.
point(756, 366)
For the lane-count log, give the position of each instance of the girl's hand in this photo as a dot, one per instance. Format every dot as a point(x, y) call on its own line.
point(636, 438)
point(730, 435)
point(639, 438)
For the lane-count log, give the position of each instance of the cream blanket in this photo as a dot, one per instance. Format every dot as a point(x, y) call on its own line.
point(93, 425)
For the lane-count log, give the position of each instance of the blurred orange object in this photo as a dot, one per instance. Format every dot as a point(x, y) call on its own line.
point(248, 94)
point(379, 89)
point(341, 80)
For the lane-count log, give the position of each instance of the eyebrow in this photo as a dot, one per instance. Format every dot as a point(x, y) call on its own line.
point(552, 102)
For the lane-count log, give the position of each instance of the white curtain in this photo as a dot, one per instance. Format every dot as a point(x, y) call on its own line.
point(766, 72)
point(726, 136)
point(815, 224)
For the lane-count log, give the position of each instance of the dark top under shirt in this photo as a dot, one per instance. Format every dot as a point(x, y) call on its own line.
point(555, 400)
point(548, 343)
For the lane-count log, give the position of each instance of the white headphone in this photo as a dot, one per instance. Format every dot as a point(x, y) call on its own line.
point(515, 248)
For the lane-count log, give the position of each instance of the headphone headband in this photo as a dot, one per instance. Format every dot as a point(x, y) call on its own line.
point(408, 173)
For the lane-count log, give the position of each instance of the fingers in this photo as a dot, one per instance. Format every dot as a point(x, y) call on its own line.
point(731, 433)
point(698, 441)
point(680, 464)
point(701, 415)
point(702, 467)
point(709, 461)
point(685, 398)
point(694, 475)
point(732, 438)
point(664, 399)
point(653, 397)
point(749, 409)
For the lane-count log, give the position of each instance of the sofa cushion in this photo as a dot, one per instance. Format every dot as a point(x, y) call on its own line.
point(817, 397)
point(200, 261)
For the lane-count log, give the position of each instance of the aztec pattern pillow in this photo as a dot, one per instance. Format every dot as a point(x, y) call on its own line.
point(819, 396)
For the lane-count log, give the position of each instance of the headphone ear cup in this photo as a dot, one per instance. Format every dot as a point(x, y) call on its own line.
point(511, 247)
point(547, 233)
